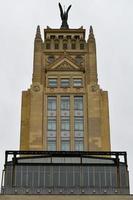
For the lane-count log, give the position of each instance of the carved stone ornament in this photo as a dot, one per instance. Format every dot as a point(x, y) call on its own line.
point(94, 88)
point(36, 88)
point(65, 67)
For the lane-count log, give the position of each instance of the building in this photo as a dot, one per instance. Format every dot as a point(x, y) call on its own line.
point(65, 109)
point(65, 139)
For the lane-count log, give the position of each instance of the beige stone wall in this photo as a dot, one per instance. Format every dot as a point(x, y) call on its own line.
point(25, 117)
point(66, 197)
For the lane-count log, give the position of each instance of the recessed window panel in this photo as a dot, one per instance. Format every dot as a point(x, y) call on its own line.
point(65, 123)
point(78, 123)
point(51, 123)
point(51, 145)
point(52, 82)
point(73, 46)
point(65, 46)
point(78, 103)
point(65, 82)
point(65, 145)
point(65, 103)
point(51, 103)
point(56, 46)
point(79, 145)
point(77, 82)
point(82, 46)
point(47, 45)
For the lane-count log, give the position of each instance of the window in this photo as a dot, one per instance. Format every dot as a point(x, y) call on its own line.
point(78, 103)
point(78, 124)
point(60, 36)
point(47, 45)
point(65, 145)
point(65, 123)
point(52, 37)
point(77, 82)
point(73, 46)
point(79, 145)
point(81, 46)
point(76, 37)
point(56, 46)
point(51, 103)
point(52, 82)
point(51, 123)
point(52, 145)
point(65, 82)
point(65, 103)
point(68, 36)
point(64, 45)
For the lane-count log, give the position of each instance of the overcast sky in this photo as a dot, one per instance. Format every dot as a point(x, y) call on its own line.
point(112, 21)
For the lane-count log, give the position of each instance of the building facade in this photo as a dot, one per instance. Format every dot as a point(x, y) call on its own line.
point(65, 109)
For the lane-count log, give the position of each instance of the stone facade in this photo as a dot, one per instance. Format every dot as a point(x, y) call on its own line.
point(65, 54)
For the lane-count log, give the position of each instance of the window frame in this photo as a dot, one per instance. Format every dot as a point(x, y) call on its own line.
point(64, 86)
point(77, 85)
point(53, 86)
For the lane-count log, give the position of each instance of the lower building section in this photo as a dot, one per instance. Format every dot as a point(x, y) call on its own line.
point(69, 173)
point(66, 197)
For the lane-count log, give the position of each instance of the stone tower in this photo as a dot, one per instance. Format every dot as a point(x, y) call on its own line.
point(65, 109)
point(65, 139)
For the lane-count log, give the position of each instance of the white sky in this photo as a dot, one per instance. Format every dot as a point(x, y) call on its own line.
point(112, 22)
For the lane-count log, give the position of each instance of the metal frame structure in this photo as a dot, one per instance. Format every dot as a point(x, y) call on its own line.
point(102, 159)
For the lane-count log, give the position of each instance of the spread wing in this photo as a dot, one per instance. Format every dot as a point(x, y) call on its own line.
point(69, 8)
point(61, 11)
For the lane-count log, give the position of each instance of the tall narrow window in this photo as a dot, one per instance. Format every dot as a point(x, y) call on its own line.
point(51, 123)
point(65, 123)
point(78, 123)
point(82, 46)
point(47, 45)
point(73, 46)
point(64, 45)
point(56, 45)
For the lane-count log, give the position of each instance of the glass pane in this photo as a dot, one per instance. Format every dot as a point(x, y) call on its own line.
point(65, 123)
point(65, 82)
point(51, 145)
point(51, 103)
point(78, 123)
point(51, 123)
point(65, 145)
point(52, 82)
point(77, 82)
point(79, 145)
point(65, 103)
point(78, 103)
